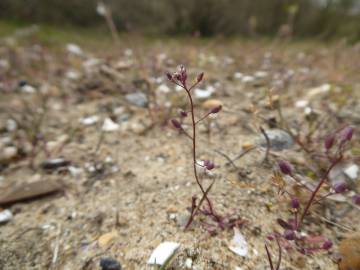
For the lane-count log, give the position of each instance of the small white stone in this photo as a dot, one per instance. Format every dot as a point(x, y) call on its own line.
point(5, 216)
point(238, 75)
point(72, 75)
point(261, 74)
point(74, 171)
point(9, 152)
point(91, 63)
point(128, 52)
point(28, 89)
point(301, 103)
point(204, 93)
point(163, 252)
point(352, 171)
point(319, 90)
point(308, 110)
point(108, 159)
point(74, 49)
point(163, 88)
point(109, 125)
point(248, 79)
point(11, 125)
point(188, 263)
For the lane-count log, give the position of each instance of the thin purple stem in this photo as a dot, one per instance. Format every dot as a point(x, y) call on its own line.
point(314, 193)
point(194, 158)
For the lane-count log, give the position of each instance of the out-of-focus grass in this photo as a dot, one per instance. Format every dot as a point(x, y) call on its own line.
point(53, 35)
point(99, 39)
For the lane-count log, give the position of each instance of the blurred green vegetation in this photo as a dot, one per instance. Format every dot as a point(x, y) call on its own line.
point(283, 18)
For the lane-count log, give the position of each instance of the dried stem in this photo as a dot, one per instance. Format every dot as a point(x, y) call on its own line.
point(266, 157)
point(194, 157)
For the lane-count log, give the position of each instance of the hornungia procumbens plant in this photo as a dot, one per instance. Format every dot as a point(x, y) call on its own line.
point(293, 236)
point(218, 221)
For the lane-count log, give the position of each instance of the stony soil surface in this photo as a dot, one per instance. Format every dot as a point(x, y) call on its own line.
point(127, 187)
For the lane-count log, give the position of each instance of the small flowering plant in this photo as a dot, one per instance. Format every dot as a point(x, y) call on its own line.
point(180, 78)
point(292, 236)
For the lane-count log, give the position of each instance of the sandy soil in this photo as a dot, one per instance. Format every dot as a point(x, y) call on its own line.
point(139, 182)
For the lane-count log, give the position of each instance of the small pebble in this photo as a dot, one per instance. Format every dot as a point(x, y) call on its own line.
point(279, 139)
point(138, 99)
point(109, 125)
point(53, 164)
point(5, 216)
point(109, 264)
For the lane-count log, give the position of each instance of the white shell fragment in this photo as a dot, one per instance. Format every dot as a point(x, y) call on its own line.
point(352, 171)
point(204, 93)
point(5, 216)
point(261, 74)
point(302, 103)
point(109, 125)
point(238, 244)
point(28, 89)
point(163, 88)
point(90, 120)
point(238, 75)
point(319, 90)
point(74, 49)
point(163, 252)
point(248, 79)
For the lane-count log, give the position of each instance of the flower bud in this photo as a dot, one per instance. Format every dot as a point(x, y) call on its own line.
point(295, 203)
point(340, 187)
point(289, 235)
point(183, 113)
point(216, 109)
point(346, 134)
point(176, 123)
point(356, 199)
point(200, 77)
point(183, 74)
point(285, 167)
point(329, 141)
point(327, 245)
point(177, 77)
point(169, 76)
point(209, 165)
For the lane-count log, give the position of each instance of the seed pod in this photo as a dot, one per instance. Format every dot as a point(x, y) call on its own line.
point(176, 123)
point(346, 134)
point(200, 77)
point(169, 76)
point(289, 235)
point(295, 203)
point(216, 109)
point(327, 245)
point(356, 199)
point(209, 165)
point(183, 113)
point(329, 141)
point(340, 187)
point(285, 167)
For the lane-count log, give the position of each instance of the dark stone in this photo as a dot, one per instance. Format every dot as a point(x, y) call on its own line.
point(109, 264)
point(53, 164)
point(22, 83)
